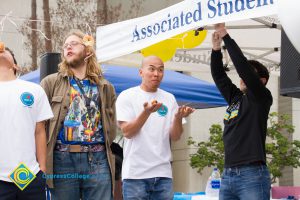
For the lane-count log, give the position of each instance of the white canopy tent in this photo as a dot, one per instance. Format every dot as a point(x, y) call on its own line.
point(258, 38)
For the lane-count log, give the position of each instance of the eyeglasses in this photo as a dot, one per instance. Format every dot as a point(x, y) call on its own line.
point(71, 44)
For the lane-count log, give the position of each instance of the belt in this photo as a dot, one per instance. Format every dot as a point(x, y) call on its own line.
point(79, 148)
point(255, 163)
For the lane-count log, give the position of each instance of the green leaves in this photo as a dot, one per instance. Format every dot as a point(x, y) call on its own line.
point(281, 150)
point(210, 153)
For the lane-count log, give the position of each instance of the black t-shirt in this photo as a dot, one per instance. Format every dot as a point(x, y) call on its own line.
point(245, 121)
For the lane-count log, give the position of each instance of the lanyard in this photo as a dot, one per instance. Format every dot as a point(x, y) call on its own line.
point(86, 98)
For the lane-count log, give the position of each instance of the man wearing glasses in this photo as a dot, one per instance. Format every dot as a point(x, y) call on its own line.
point(84, 124)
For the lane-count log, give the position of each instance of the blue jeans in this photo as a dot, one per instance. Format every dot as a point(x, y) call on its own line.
point(249, 182)
point(78, 176)
point(148, 189)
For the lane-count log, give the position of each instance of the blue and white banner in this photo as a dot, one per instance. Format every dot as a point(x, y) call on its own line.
point(118, 39)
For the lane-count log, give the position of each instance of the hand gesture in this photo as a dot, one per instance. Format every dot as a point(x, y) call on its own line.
point(216, 41)
point(184, 111)
point(221, 29)
point(151, 107)
point(219, 26)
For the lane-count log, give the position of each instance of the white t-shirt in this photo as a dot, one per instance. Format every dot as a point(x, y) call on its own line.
point(148, 153)
point(22, 105)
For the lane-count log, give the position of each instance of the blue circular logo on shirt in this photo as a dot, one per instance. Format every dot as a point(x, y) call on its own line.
point(27, 98)
point(163, 110)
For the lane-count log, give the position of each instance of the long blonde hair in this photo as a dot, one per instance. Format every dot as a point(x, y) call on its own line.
point(93, 69)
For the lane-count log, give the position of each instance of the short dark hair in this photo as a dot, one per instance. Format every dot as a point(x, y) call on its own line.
point(12, 54)
point(261, 70)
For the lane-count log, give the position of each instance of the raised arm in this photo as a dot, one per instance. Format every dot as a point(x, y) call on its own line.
point(131, 128)
point(223, 82)
point(246, 72)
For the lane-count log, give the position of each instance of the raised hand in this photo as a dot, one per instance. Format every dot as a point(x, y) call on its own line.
point(216, 41)
point(151, 107)
point(219, 26)
point(184, 111)
point(221, 29)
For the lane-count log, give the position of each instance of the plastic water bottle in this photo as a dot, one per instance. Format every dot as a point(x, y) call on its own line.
point(213, 184)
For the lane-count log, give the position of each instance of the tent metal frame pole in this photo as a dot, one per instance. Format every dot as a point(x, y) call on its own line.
point(264, 54)
point(263, 24)
point(262, 48)
point(268, 24)
point(240, 27)
point(261, 58)
point(228, 62)
point(275, 49)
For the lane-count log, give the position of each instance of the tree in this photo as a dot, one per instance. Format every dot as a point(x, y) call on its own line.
point(47, 26)
point(85, 15)
point(280, 151)
point(101, 12)
point(33, 34)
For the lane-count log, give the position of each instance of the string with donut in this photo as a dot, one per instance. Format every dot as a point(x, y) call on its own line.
point(2, 47)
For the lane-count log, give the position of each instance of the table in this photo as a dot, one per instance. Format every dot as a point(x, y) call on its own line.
point(193, 197)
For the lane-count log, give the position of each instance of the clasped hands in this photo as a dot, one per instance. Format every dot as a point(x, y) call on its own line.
point(220, 32)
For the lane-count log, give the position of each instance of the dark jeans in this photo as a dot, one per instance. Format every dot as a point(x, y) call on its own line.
point(249, 182)
point(78, 177)
point(148, 189)
point(34, 191)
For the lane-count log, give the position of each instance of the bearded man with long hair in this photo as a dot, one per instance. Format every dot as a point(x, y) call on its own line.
point(80, 164)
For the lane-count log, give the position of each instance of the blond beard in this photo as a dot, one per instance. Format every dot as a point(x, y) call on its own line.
point(76, 62)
